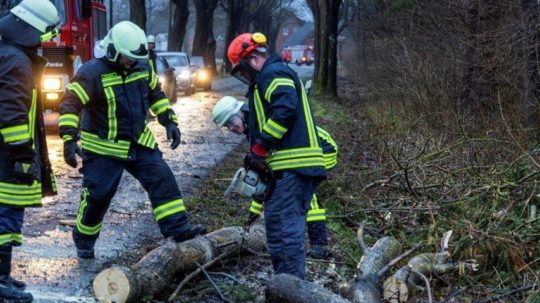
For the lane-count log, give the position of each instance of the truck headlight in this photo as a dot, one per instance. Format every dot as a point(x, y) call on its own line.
point(52, 83)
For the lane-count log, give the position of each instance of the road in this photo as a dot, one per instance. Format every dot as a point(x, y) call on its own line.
point(47, 260)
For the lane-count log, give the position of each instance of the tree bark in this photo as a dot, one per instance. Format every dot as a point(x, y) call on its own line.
point(137, 13)
point(177, 29)
point(204, 43)
point(153, 271)
point(285, 288)
point(235, 11)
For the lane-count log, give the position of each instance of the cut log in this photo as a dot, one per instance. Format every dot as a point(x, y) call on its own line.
point(285, 288)
point(150, 275)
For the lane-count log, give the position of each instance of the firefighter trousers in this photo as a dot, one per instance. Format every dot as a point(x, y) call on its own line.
point(316, 223)
point(285, 222)
point(101, 178)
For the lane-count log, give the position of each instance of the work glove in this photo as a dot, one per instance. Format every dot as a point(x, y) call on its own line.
point(71, 149)
point(173, 133)
point(252, 217)
point(22, 155)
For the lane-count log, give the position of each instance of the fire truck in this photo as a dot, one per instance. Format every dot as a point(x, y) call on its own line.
point(84, 22)
point(300, 54)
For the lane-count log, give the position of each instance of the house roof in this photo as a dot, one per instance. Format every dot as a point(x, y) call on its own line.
point(299, 35)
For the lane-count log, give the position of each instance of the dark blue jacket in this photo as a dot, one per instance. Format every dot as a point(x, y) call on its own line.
point(283, 122)
point(112, 105)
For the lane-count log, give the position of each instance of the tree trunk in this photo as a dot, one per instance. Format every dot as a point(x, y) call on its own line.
point(160, 266)
point(285, 288)
point(177, 29)
point(204, 43)
point(137, 13)
point(235, 11)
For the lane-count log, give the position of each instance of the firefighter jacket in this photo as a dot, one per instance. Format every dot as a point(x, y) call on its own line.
point(112, 105)
point(282, 121)
point(21, 118)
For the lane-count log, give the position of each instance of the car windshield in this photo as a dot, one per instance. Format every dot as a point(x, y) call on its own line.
point(198, 61)
point(177, 60)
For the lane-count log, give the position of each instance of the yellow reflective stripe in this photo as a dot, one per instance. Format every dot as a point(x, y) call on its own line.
point(256, 207)
point(111, 79)
point(136, 76)
point(69, 120)
point(297, 163)
point(20, 194)
point(314, 203)
point(85, 229)
point(111, 113)
point(169, 208)
point(153, 80)
point(309, 119)
point(173, 118)
point(146, 138)
point(95, 144)
point(274, 129)
point(316, 215)
point(295, 153)
point(15, 133)
point(10, 238)
point(79, 91)
point(160, 106)
point(32, 117)
point(67, 138)
point(325, 136)
point(259, 110)
point(151, 63)
point(274, 84)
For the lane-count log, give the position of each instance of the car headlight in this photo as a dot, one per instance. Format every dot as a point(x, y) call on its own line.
point(52, 83)
point(202, 75)
point(184, 75)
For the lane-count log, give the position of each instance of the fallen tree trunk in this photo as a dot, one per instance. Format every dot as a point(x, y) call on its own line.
point(150, 275)
point(285, 288)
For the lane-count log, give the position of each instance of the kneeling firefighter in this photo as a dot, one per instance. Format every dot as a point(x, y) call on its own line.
point(112, 95)
point(25, 170)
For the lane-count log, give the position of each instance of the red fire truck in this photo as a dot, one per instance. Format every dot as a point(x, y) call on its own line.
point(300, 54)
point(83, 23)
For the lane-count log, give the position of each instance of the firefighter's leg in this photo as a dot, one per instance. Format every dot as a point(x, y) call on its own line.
point(316, 225)
point(100, 181)
point(11, 222)
point(285, 217)
point(167, 203)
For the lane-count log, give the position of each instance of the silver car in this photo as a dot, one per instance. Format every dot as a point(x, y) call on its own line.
point(182, 70)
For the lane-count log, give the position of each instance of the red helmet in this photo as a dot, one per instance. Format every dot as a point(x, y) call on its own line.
point(244, 45)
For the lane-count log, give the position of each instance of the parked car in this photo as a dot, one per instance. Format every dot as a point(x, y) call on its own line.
point(167, 78)
point(183, 72)
point(203, 76)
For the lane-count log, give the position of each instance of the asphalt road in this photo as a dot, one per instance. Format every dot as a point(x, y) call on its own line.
point(47, 260)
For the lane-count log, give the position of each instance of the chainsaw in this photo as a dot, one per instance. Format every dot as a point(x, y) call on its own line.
point(253, 183)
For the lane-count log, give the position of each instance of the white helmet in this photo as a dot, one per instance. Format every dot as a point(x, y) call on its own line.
point(127, 39)
point(151, 39)
point(224, 109)
point(39, 14)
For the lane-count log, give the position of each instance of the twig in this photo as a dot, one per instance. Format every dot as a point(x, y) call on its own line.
point(399, 258)
point(176, 292)
point(325, 261)
point(426, 281)
point(225, 275)
point(499, 297)
point(360, 239)
point(212, 282)
point(381, 182)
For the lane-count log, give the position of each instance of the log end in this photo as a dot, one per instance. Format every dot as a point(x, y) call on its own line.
point(113, 285)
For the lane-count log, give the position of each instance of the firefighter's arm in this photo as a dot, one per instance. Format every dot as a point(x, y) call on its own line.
point(77, 96)
point(159, 104)
point(15, 97)
point(281, 93)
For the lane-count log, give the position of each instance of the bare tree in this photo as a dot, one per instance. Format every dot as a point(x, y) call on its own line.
point(177, 29)
point(137, 13)
point(204, 43)
point(235, 13)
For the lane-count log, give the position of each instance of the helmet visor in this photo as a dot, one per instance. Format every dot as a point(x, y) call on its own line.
point(244, 72)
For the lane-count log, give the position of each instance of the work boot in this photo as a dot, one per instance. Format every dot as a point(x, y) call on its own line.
point(318, 252)
point(10, 293)
point(85, 248)
point(190, 234)
point(17, 283)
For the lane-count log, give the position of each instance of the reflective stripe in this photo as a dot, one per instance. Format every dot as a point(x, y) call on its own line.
point(316, 215)
point(67, 138)
point(309, 119)
point(314, 203)
point(97, 145)
point(11, 238)
point(111, 79)
point(146, 138)
point(275, 84)
point(32, 117)
point(136, 76)
point(169, 208)
point(153, 80)
point(111, 113)
point(79, 91)
point(297, 163)
point(69, 120)
point(160, 106)
point(256, 207)
point(259, 110)
point(20, 194)
point(174, 119)
point(15, 133)
point(274, 129)
point(85, 229)
point(295, 153)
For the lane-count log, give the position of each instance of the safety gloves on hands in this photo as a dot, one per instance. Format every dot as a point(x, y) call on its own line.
point(22, 155)
point(255, 160)
point(173, 133)
point(71, 149)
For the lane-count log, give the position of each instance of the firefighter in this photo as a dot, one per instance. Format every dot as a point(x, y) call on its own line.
point(233, 114)
point(25, 172)
point(108, 99)
point(283, 136)
point(152, 51)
